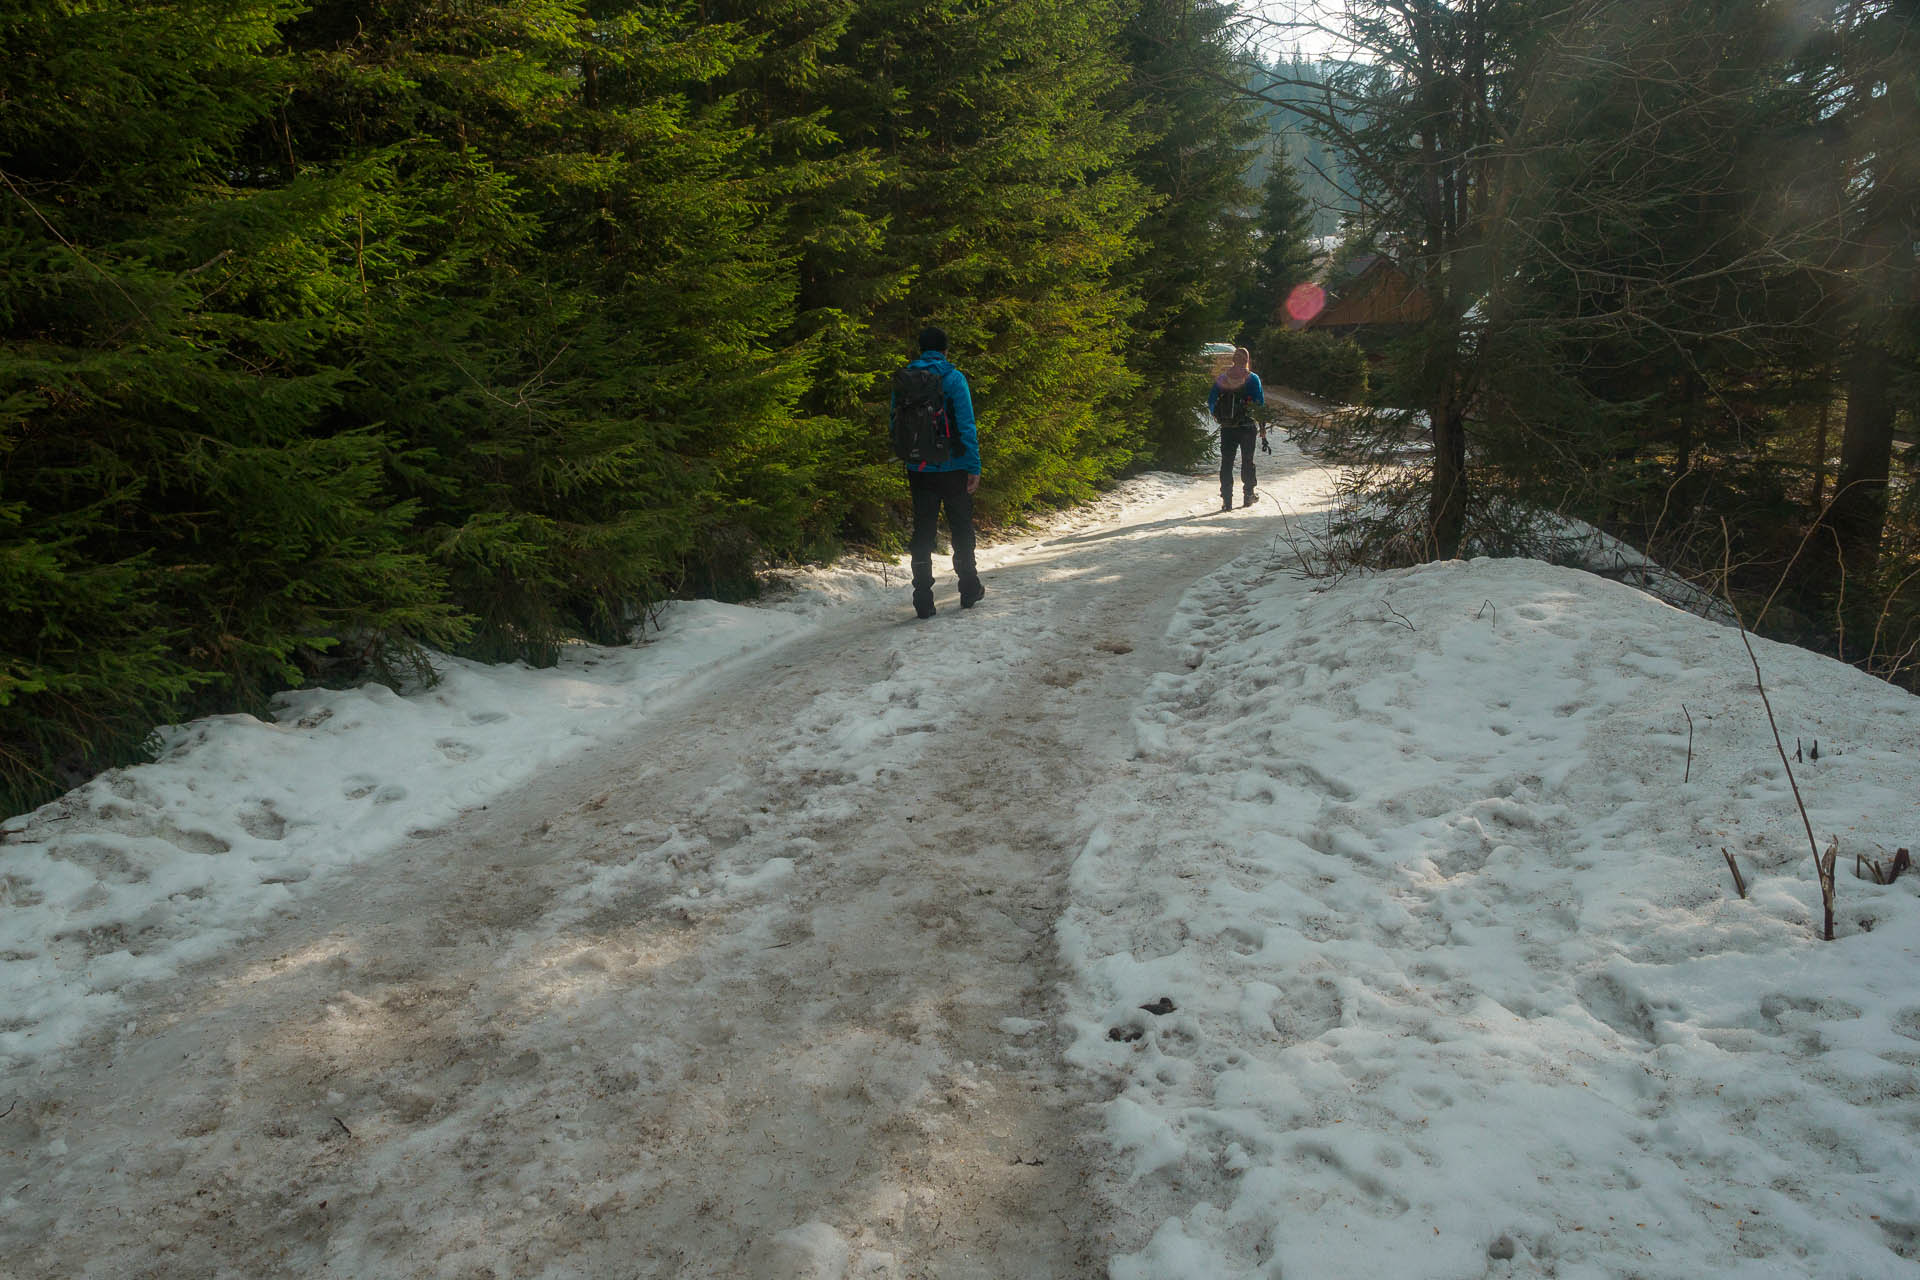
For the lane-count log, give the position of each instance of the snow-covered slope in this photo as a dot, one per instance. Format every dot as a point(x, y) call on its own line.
point(1462, 985)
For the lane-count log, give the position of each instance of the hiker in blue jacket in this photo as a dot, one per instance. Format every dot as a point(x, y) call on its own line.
point(944, 476)
point(1231, 402)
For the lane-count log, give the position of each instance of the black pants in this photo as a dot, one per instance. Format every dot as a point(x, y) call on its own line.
point(931, 491)
point(1231, 439)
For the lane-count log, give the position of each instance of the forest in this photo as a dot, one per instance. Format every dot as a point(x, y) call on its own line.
point(331, 332)
point(1664, 255)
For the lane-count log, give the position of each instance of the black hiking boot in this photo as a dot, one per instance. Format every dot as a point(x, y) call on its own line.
point(1249, 499)
point(923, 603)
point(972, 591)
point(1226, 503)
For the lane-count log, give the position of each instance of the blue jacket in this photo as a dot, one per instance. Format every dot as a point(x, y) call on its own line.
point(966, 455)
point(1253, 391)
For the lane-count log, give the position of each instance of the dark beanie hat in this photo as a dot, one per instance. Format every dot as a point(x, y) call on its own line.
point(933, 338)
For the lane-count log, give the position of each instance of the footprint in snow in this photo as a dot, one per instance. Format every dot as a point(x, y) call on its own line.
point(262, 821)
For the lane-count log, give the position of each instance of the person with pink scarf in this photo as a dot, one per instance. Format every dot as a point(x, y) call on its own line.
point(1231, 402)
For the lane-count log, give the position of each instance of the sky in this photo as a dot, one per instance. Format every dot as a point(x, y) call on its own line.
point(1279, 27)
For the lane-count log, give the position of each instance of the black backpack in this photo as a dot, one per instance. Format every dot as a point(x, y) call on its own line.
point(1233, 407)
point(922, 428)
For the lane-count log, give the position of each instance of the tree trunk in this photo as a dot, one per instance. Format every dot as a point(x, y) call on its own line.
point(590, 95)
point(1859, 512)
point(1883, 280)
point(1820, 455)
point(1692, 408)
point(1447, 506)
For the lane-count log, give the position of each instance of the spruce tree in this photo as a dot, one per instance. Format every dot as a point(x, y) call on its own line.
point(1417, 121)
point(1288, 94)
point(970, 173)
point(571, 352)
point(1283, 254)
point(184, 508)
point(815, 155)
point(1193, 242)
point(1659, 272)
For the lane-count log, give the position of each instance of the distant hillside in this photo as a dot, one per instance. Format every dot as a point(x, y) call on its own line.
point(1322, 173)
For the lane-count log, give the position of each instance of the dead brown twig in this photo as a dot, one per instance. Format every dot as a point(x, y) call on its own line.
point(1880, 623)
point(1822, 866)
point(1688, 776)
point(1739, 881)
point(1761, 685)
point(1865, 868)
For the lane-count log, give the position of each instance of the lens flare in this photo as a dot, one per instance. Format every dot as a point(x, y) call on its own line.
point(1304, 302)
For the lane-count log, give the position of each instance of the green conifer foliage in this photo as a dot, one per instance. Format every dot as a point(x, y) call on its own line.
point(183, 509)
point(328, 330)
point(1006, 211)
point(1662, 242)
point(1665, 273)
point(801, 81)
point(1193, 245)
point(572, 352)
point(1283, 254)
point(1871, 72)
point(1285, 90)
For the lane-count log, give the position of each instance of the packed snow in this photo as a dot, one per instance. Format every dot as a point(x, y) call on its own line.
point(1385, 930)
point(1460, 981)
point(146, 869)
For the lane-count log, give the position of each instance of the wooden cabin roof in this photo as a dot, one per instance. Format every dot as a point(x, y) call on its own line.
point(1381, 294)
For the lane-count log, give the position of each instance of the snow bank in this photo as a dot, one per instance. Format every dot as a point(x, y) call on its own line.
point(146, 869)
point(1460, 982)
point(1575, 542)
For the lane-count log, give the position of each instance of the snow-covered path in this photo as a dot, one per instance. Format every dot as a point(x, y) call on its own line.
point(1168, 917)
point(768, 989)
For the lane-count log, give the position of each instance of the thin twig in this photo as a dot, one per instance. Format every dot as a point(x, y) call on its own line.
point(1819, 522)
point(1880, 623)
point(221, 256)
point(1666, 501)
point(1766, 702)
point(1494, 621)
point(343, 1126)
point(1739, 881)
point(73, 248)
point(1688, 776)
point(1840, 597)
point(1398, 616)
point(1825, 863)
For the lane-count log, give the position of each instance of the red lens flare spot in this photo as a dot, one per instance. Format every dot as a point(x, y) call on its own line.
point(1305, 302)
